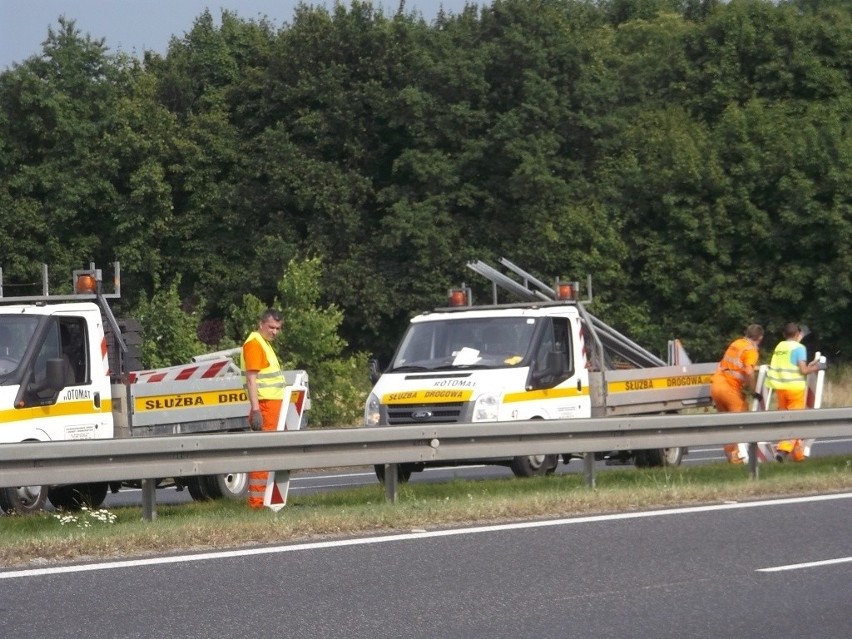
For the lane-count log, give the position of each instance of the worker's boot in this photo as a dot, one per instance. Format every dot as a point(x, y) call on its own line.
point(732, 452)
point(790, 450)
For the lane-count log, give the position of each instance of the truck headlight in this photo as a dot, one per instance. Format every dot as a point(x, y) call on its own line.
point(486, 408)
point(372, 411)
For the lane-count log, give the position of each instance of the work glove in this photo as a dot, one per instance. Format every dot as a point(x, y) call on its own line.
point(256, 420)
point(757, 396)
point(822, 366)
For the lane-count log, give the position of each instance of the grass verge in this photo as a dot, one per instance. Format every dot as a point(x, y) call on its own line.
point(50, 538)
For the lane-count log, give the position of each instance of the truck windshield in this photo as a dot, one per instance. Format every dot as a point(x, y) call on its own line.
point(16, 331)
point(485, 342)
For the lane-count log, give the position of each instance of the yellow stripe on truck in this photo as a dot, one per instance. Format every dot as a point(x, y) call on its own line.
point(659, 383)
point(63, 409)
point(431, 396)
point(188, 400)
point(544, 393)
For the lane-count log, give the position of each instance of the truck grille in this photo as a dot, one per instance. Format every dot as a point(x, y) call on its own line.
point(425, 413)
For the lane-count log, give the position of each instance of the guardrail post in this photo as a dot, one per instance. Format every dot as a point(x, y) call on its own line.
point(589, 469)
point(149, 499)
point(753, 466)
point(391, 483)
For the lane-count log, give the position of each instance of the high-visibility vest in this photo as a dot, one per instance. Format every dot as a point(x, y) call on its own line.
point(732, 361)
point(783, 374)
point(270, 380)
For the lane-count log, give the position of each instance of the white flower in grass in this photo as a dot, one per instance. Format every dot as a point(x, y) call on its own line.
point(86, 517)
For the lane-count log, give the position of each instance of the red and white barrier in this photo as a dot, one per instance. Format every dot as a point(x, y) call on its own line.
point(204, 370)
point(290, 418)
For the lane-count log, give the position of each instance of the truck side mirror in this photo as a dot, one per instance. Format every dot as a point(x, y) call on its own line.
point(55, 374)
point(548, 374)
point(375, 373)
point(54, 378)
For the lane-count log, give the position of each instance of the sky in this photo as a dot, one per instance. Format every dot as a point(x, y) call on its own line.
point(135, 26)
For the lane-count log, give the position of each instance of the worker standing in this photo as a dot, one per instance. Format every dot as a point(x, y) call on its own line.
point(264, 382)
point(734, 379)
point(787, 377)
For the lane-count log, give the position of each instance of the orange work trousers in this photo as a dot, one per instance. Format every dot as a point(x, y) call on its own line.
point(270, 409)
point(727, 396)
point(791, 400)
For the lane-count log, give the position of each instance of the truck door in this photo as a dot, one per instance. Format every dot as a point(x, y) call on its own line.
point(553, 363)
point(555, 369)
point(67, 406)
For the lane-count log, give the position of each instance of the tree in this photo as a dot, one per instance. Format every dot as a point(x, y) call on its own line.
point(169, 330)
point(56, 172)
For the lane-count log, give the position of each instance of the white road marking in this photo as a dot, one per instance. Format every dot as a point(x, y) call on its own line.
point(809, 564)
point(270, 550)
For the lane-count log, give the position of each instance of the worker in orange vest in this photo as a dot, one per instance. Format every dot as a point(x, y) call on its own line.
point(733, 383)
point(787, 377)
point(264, 382)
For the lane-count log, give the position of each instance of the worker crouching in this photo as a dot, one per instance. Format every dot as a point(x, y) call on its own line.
point(734, 379)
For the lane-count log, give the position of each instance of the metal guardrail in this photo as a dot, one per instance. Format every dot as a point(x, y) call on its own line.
point(149, 458)
point(206, 454)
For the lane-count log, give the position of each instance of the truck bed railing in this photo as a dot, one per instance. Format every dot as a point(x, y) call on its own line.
point(532, 290)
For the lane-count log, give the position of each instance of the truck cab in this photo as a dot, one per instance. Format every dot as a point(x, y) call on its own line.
point(54, 382)
point(486, 365)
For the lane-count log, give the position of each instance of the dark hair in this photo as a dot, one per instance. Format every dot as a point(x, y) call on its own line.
point(791, 329)
point(270, 314)
point(754, 331)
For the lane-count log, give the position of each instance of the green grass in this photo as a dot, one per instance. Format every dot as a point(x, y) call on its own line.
point(40, 539)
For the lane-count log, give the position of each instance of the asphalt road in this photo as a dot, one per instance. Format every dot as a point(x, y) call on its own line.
point(771, 569)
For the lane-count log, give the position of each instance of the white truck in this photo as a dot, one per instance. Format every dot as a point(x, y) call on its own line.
point(70, 370)
point(544, 357)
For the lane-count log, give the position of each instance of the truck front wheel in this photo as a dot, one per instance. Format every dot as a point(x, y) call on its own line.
point(534, 465)
point(23, 500)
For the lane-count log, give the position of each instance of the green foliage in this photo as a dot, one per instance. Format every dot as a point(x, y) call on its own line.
point(169, 331)
point(55, 171)
point(339, 383)
point(243, 319)
point(692, 156)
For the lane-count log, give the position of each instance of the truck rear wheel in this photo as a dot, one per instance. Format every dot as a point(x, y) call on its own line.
point(197, 487)
point(534, 465)
point(227, 486)
point(23, 500)
point(75, 496)
point(656, 457)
